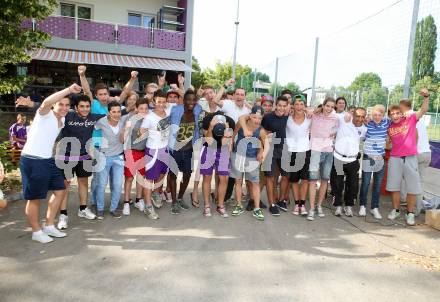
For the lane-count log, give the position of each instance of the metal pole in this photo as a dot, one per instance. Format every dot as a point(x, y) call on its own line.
point(312, 100)
point(412, 38)
point(236, 38)
point(255, 82)
point(276, 79)
point(388, 99)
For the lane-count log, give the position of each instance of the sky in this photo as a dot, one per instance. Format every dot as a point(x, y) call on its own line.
point(287, 29)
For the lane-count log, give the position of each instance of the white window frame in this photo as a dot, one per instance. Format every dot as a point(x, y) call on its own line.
point(77, 4)
point(142, 14)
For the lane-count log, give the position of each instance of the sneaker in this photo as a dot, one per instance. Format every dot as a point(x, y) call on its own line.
point(52, 231)
point(376, 214)
point(140, 205)
point(296, 210)
point(182, 204)
point(302, 210)
point(63, 221)
point(222, 212)
point(258, 213)
point(86, 213)
point(393, 214)
point(175, 208)
point(263, 205)
point(274, 210)
point(311, 215)
point(250, 205)
point(41, 237)
point(115, 214)
point(166, 196)
point(282, 204)
point(126, 210)
point(207, 212)
point(338, 211)
point(348, 211)
point(320, 212)
point(100, 215)
point(151, 213)
point(156, 200)
point(362, 211)
point(410, 219)
point(238, 210)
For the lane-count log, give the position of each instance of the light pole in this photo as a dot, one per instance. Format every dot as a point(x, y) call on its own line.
point(234, 61)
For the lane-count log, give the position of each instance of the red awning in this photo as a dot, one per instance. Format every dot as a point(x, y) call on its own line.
point(85, 57)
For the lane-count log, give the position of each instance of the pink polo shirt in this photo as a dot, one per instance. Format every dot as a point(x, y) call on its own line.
point(322, 132)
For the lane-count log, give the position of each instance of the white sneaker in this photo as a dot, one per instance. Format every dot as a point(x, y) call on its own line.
point(87, 214)
point(311, 215)
point(41, 237)
point(151, 213)
point(320, 212)
point(393, 214)
point(140, 205)
point(362, 211)
point(376, 214)
point(126, 210)
point(348, 211)
point(338, 211)
point(63, 221)
point(53, 232)
point(410, 219)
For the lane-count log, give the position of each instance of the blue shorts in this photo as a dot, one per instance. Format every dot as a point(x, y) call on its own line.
point(321, 164)
point(183, 159)
point(40, 176)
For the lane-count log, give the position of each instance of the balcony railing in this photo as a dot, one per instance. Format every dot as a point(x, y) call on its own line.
point(88, 30)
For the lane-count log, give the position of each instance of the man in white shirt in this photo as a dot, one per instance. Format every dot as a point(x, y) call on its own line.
point(346, 159)
point(37, 165)
point(233, 108)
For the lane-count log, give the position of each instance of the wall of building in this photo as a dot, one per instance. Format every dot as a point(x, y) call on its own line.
point(117, 11)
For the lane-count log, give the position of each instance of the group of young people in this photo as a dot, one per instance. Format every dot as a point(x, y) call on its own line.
point(220, 140)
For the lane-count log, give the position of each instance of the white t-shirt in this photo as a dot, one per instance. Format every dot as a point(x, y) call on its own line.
point(233, 111)
point(422, 137)
point(158, 130)
point(42, 135)
point(347, 140)
point(298, 135)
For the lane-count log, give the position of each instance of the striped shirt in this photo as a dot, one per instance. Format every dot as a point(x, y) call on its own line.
point(375, 138)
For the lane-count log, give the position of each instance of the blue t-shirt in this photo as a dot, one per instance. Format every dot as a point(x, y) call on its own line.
point(375, 137)
point(98, 108)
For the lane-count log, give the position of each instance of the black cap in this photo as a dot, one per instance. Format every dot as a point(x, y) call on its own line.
point(219, 129)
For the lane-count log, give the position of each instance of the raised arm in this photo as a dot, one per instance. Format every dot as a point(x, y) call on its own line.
point(27, 102)
point(425, 105)
point(128, 87)
point(84, 84)
point(181, 82)
point(161, 81)
point(242, 120)
point(51, 100)
point(218, 98)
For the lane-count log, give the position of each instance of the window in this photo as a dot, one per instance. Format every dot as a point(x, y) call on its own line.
point(74, 10)
point(137, 19)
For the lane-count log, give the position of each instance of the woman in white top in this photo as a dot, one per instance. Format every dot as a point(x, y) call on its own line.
point(298, 142)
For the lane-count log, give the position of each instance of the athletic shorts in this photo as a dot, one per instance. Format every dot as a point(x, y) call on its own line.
point(215, 159)
point(404, 168)
point(134, 161)
point(156, 163)
point(183, 159)
point(39, 176)
point(276, 166)
point(301, 161)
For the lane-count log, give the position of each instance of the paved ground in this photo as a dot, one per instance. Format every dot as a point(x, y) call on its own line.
point(192, 258)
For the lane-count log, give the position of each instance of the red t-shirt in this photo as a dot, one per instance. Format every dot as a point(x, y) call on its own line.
point(403, 136)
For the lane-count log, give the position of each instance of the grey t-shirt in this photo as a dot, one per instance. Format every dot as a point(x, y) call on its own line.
point(111, 144)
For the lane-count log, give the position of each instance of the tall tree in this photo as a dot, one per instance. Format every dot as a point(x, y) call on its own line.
point(365, 81)
point(197, 76)
point(425, 46)
point(16, 40)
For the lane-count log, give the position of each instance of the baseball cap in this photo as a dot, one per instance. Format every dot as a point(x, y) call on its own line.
point(299, 96)
point(257, 109)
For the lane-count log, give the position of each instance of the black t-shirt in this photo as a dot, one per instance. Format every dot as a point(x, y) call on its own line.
point(276, 124)
point(79, 127)
point(207, 120)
